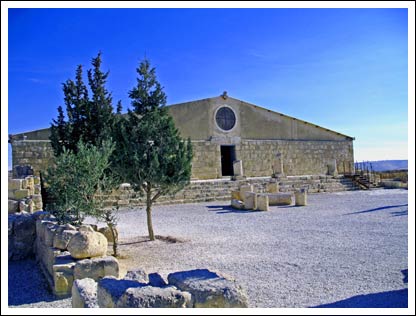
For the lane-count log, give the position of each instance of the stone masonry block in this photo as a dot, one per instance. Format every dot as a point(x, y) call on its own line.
point(21, 194)
point(262, 202)
point(235, 195)
point(15, 184)
point(96, 268)
point(84, 293)
point(245, 188)
point(280, 198)
point(250, 200)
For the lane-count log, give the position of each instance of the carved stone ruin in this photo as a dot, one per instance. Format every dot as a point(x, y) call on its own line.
point(277, 166)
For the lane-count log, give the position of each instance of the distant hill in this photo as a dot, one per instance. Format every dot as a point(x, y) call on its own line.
point(386, 165)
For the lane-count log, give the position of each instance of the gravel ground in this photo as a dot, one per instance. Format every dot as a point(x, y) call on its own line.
point(346, 249)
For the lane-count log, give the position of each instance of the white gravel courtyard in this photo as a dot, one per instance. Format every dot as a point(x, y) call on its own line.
point(346, 249)
point(339, 246)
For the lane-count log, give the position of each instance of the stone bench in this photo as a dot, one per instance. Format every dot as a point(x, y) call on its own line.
point(280, 198)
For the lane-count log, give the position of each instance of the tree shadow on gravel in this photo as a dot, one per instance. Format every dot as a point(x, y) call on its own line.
point(142, 239)
point(224, 209)
point(27, 284)
point(398, 213)
point(388, 299)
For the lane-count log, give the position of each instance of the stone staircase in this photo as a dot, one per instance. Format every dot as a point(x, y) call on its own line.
point(220, 189)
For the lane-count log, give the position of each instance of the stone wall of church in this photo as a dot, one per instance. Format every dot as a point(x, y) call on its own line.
point(206, 163)
point(35, 153)
point(258, 157)
point(298, 157)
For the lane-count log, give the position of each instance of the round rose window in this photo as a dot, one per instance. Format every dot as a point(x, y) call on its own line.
point(225, 118)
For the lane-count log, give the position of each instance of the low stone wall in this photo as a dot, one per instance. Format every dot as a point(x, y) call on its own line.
point(24, 195)
point(65, 253)
point(199, 288)
point(62, 262)
point(21, 236)
point(216, 190)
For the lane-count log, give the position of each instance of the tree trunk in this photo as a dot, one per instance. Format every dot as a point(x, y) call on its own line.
point(149, 213)
point(115, 240)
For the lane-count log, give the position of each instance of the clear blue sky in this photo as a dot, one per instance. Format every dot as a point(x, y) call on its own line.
point(344, 69)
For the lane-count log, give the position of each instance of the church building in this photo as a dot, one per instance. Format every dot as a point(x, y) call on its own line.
point(231, 138)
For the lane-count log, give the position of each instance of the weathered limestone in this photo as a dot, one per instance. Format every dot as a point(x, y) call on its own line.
point(62, 238)
point(235, 195)
point(96, 268)
point(239, 205)
point(139, 275)
point(21, 235)
point(280, 198)
point(301, 198)
point(272, 187)
point(106, 231)
point(13, 206)
point(154, 297)
point(238, 168)
point(22, 195)
point(245, 188)
point(262, 202)
point(84, 293)
point(278, 165)
point(15, 184)
point(110, 290)
point(250, 201)
point(86, 244)
point(155, 279)
point(209, 289)
point(332, 168)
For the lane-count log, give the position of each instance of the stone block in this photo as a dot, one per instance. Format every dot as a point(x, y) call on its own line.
point(280, 198)
point(86, 228)
point(250, 200)
point(49, 234)
point(301, 198)
point(21, 194)
point(209, 289)
point(262, 202)
point(155, 279)
point(37, 199)
point(37, 189)
point(36, 180)
point(84, 293)
point(106, 231)
point(245, 188)
point(96, 268)
point(15, 184)
point(123, 202)
point(272, 187)
point(110, 290)
point(13, 206)
point(238, 168)
point(62, 238)
point(87, 244)
point(62, 284)
point(139, 275)
point(239, 205)
point(235, 195)
point(154, 297)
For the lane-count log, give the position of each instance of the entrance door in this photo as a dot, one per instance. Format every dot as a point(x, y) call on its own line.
point(227, 158)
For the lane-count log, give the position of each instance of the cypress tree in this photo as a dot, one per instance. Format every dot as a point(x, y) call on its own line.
point(151, 155)
point(90, 119)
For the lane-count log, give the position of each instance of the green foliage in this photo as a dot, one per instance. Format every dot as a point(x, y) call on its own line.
point(89, 120)
point(151, 155)
point(77, 179)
